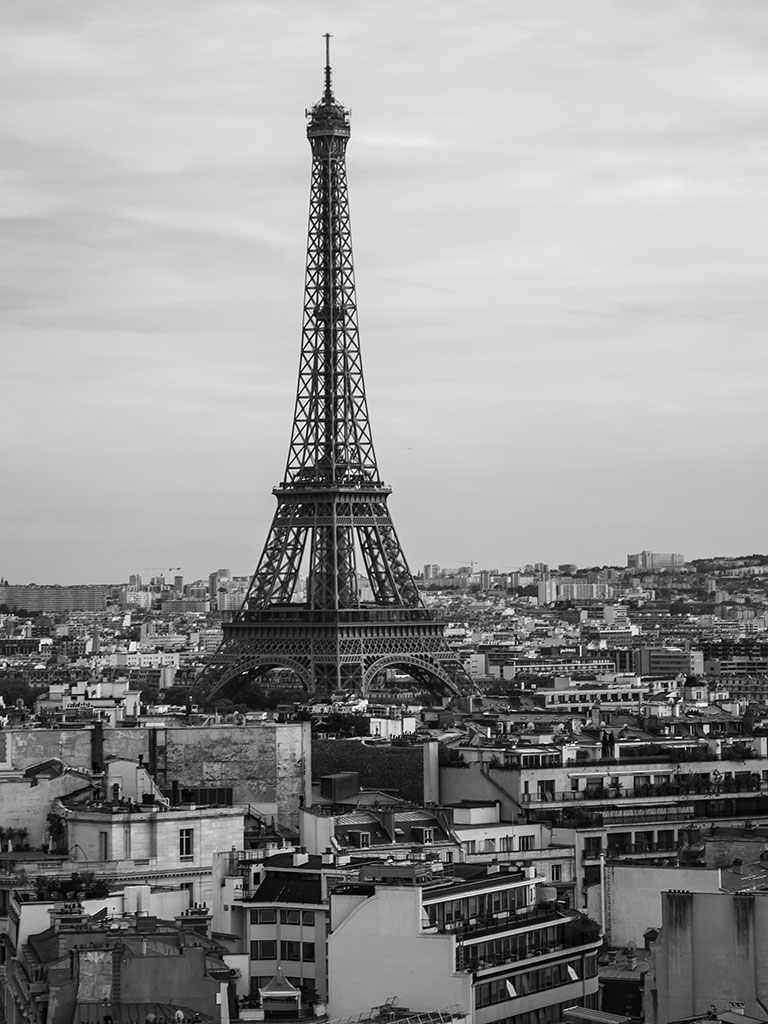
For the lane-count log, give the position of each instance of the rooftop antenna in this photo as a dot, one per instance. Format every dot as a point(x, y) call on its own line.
point(328, 94)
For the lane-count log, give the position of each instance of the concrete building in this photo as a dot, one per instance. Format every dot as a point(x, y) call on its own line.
point(653, 561)
point(35, 598)
point(711, 950)
point(267, 765)
point(486, 839)
point(154, 841)
point(492, 942)
point(628, 900)
point(393, 831)
point(667, 661)
point(109, 700)
point(103, 967)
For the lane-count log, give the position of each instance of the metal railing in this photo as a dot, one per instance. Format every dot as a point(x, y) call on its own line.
point(502, 921)
point(643, 792)
point(390, 1012)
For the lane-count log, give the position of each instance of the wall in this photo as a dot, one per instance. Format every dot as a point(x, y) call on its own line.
point(25, 805)
point(155, 835)
point(469, 783)
point(380, 767)
point(378, 952)
point(712, 949)
point(267, 764)
point(633, 896)
point(145, 979)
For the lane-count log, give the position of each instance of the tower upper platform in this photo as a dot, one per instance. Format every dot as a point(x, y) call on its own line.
point(327, 116)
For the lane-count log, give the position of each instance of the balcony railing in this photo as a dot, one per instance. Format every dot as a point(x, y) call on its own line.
point(630, 849)
point(643, 792)
point(502, 921)
point(669, 756)
point(576, 934)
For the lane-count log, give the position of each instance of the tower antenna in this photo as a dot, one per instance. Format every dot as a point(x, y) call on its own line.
point(328, 95)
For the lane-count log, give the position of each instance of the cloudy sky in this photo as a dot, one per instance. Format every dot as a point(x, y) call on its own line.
point(560, 226)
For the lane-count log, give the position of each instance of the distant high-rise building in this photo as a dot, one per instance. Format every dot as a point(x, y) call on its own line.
point(652, 561)
point(33, 598)
point(215, 582)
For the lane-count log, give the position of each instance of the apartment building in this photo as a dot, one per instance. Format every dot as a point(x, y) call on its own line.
point(614, 692)
point(152, 842)
point(492, 941)
point(33, 598)
point(95, 967)
point(392, 831)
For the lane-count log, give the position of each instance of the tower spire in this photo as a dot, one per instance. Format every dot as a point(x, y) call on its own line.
point(328, 94)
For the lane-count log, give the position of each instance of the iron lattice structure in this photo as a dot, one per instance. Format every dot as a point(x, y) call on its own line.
point(332, 504)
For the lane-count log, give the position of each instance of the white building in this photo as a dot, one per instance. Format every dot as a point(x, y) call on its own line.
point(491, 942)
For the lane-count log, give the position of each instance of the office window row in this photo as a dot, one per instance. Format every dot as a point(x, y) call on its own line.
point(550, 1014)
point(266, 949)
point(527, 982)
point(269, 916)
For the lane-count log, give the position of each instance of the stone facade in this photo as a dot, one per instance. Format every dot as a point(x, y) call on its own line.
point(267, 764)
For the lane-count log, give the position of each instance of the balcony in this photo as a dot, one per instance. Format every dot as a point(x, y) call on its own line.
point(669, 755)
point(599, 794)
point(504, 921)
point(577, 932)
point(630, 850)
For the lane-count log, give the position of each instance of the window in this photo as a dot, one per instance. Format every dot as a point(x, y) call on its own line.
point(556, 872)
point(264, 949)
point(186, 843)
point(526, 842)
point(267, 916)
point(308, 952)
point(103, 845)
point(290, 916)
point(290, 950)
point(307, 917)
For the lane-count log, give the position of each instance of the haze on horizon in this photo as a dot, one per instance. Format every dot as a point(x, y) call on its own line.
point(560, 222)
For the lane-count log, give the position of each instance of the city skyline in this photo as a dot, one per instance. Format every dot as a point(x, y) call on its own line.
point(570, 358)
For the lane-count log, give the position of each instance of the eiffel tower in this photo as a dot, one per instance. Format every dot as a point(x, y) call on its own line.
point(332, 511)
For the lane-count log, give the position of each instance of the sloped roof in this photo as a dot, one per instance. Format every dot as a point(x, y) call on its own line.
point(296, 889)
point(279, 986)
